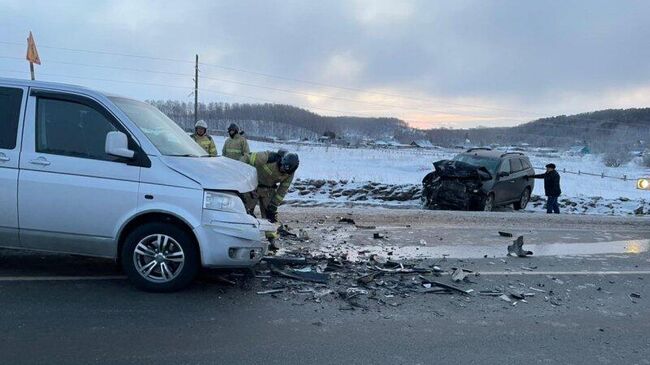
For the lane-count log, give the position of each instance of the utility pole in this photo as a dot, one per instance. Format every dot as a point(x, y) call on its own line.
point(196, 90)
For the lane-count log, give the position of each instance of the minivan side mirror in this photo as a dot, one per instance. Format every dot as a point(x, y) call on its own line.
point(117, 144)
point(504, 174)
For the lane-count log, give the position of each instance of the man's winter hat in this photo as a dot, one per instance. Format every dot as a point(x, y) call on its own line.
point(201, 124)
point(550, 166)
point(233, 127)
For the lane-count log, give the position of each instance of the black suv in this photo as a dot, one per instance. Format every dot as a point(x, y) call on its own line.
point(479, 179)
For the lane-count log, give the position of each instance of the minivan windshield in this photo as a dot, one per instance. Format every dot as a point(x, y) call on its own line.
point(489, 163)
point(164, 133)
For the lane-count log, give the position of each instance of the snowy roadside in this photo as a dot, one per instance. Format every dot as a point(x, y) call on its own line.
point(336, 176)
point(343, 193)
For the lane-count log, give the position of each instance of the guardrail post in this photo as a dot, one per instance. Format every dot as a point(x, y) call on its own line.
point(578, 172)
point(602, 175)
point(624, 177)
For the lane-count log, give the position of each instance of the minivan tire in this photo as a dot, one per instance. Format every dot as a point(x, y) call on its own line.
point(523, 200)
point(182, 255)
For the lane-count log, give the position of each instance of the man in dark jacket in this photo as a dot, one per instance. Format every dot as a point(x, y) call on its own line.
point(551, 188)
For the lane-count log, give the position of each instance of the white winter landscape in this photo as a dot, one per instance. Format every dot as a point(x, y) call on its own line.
point(405, 168)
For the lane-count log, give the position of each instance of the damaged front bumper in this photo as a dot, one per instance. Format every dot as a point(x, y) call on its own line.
point(230, 240)
point(454, 185)
point(453, 194)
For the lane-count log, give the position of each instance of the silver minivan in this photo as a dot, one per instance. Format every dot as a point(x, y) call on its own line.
point(87, 173)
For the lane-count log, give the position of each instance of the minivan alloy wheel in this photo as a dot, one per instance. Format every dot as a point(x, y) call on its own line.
point(158, 258)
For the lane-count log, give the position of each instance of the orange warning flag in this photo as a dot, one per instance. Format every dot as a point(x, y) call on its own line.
point(32, 52)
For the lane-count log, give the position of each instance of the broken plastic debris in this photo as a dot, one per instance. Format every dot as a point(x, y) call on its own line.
point(516, 249)
point(635, 295)
point(271, 291)
point(458, 275)
point(304, 276)
point(505, 234)
point(505, 298)
point(378, 236)
point(284, 260)
point(347, 220)
point(492, 293)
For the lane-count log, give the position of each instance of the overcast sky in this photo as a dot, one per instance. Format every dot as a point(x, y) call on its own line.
point(432, 63)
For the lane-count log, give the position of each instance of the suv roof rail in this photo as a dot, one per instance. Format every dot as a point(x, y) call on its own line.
point(479, 149)
point(512, 153)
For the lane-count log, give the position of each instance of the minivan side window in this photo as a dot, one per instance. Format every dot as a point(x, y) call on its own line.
point(71, 129)
point(515, 165)
point(525, 164)
point(10, 102)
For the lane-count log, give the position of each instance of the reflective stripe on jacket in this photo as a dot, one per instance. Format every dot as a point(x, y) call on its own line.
point(269, 175)
point(235, 147)
point(206, 143)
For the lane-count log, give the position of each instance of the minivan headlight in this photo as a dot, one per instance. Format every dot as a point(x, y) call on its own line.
point(643, 184)
point(223, 201)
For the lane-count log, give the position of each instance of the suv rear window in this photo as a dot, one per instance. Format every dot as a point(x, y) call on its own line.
point(515, 165)
point(10, 102)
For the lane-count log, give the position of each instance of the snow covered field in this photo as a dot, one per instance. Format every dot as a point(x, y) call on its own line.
point(408, 166)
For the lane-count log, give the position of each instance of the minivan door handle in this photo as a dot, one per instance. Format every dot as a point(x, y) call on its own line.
point(4, 158)
point(41, 161)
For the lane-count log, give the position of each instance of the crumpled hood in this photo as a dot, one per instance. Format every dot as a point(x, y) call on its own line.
point(461, 170)
point(215, 173)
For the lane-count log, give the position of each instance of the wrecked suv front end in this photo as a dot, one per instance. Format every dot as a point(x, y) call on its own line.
point(455, 185)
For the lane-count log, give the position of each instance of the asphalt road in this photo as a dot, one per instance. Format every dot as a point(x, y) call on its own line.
point(59, 309)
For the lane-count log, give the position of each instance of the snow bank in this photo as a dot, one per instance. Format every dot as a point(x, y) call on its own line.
point(408, 167)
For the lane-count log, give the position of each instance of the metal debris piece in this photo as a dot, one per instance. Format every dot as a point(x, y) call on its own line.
point(505, 234)
point(378, 259)
point(516, 249)
point(367, 279)
point(284, 260)
point(450, 287)
point(223, 279)
point(635, 295)
point(458, 275)
point(285, 231)
point(304, 276)
point(271, 291)
point(347, 220)
point(505, 298)
point(491, 293)
point(517, 294)
point(436, 290)
point(378, 236)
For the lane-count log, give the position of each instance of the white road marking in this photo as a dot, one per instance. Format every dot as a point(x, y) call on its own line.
point(61, 278)
point(584, 273)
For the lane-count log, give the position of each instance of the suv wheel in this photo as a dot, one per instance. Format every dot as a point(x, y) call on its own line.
point(160, 258)
point(523, 201)
point(488, 204)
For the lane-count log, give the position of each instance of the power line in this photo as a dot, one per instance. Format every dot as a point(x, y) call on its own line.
point(292, 79)
point(365, 113)
point(483, 117)
point(180, 87)
point(310, 82)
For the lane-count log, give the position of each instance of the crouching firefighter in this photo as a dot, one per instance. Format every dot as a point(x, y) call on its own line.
point(275, 172)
